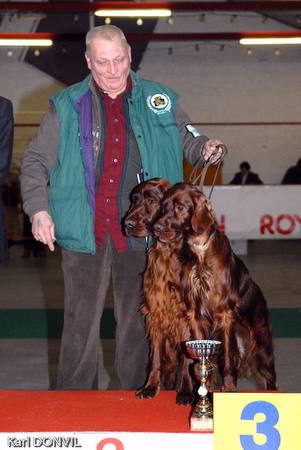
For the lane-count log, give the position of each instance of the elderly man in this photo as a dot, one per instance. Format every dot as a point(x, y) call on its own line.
point(97, 140)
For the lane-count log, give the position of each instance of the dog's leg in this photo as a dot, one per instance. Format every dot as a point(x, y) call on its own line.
point(264, 360)
point(185, 396)
point(258, 337)
point(152, 387)
point(170, 366)
point(230, 358)
point(268, 373)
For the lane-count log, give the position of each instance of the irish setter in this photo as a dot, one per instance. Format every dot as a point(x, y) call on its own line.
point(231, 307)
point(163, 309)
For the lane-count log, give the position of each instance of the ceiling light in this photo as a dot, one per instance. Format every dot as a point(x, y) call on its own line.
point(32, 16)
point(25, 42)
point(270, 41)
point(133, 13)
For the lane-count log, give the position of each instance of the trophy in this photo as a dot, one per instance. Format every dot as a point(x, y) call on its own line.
point(204, 350)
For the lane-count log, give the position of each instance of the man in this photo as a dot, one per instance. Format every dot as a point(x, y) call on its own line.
point(293, 174)
point(98, 138)
point(245, 176)
point(6, 151)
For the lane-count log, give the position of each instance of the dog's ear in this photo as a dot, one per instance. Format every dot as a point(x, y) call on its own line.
point(164, 185)
point(203, 215)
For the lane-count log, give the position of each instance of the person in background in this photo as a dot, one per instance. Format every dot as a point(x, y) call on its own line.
point(6, 151)
point(293, 174)
point(100, 138)
point(245, 176)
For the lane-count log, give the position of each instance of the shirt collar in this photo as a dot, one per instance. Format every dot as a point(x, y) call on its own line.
point(122, 94)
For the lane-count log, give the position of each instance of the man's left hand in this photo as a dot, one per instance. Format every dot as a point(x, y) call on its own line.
point(209, 148)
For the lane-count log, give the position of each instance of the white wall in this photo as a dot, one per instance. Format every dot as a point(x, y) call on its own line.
point(29, 89)
point(230, 86)
point(214, 86)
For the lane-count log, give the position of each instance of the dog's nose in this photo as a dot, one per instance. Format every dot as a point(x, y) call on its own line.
point(158, 227)
point(130, 223)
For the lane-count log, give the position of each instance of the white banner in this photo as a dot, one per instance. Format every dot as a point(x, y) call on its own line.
point(108, 441)
point(258, 212)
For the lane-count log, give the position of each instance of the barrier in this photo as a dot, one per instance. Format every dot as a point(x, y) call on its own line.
point(258, 212)
point(242, 212)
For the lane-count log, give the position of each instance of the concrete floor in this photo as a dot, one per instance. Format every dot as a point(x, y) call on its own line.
point(36, 283)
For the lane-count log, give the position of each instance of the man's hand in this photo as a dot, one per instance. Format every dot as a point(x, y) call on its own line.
point(43, 229)
point(210, 148)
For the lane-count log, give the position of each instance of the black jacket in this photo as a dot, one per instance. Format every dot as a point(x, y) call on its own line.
point(252, 178)
point(6, 150)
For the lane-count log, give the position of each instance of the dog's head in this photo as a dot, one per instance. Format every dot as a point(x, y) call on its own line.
point(185, 211)
point(145, 207)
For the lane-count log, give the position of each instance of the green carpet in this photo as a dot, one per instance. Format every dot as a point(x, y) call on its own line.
point(48, 323)
point(44, 324)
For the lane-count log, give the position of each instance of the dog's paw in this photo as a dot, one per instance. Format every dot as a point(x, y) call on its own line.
point(185, 398)
point(148, 392)
point(229, 388)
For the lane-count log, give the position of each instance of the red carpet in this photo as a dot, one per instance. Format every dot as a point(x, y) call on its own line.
point(86, 411)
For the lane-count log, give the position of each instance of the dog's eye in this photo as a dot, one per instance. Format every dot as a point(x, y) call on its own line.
point(180, 208)
point(150, 201)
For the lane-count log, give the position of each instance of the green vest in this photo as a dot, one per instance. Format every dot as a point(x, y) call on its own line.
point(152, 119)
point(151, 109)
point(69, 196)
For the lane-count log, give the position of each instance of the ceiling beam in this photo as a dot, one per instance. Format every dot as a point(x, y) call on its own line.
point(14, 7)
point(159, 36)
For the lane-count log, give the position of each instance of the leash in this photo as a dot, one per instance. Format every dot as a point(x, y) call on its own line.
point(220, 148)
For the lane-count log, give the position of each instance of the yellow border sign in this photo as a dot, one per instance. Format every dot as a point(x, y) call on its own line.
point(257, 421)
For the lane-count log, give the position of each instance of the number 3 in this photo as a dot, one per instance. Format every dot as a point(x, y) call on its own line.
point(266, 427)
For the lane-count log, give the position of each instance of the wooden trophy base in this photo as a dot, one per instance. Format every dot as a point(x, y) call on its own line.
point(198, 424)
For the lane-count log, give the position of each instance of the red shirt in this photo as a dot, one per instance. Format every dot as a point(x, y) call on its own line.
point(106, 216)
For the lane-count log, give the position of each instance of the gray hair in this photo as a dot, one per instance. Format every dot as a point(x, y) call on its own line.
point(105, 33)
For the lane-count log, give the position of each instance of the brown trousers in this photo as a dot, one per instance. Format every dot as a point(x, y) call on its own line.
point(86, 280)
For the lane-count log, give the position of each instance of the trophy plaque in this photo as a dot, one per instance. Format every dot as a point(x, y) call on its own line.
point(204, 351)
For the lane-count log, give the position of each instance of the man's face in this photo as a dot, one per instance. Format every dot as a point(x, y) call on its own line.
point(110, 64)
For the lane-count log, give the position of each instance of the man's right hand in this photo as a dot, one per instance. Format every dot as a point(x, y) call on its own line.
point(43, 229)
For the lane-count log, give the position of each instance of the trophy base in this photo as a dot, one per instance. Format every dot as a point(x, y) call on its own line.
point(202, 416)
point(197, 424)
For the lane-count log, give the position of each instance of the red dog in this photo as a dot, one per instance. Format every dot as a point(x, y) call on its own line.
point(165, 315)
point(230, 306)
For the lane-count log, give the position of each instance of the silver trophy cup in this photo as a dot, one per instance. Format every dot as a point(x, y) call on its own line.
point(204, 351)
